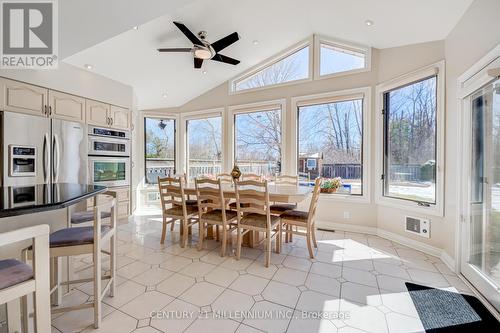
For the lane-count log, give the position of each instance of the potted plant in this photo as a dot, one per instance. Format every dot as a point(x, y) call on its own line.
point(330, 185)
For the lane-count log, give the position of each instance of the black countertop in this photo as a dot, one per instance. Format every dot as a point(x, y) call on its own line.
point(21, 200)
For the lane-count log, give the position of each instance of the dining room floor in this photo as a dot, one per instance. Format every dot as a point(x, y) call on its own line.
point(356, 283)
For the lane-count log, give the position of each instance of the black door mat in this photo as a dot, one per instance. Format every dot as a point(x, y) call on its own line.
point(446, 311)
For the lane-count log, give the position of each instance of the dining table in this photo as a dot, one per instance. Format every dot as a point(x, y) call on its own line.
point(278, 193)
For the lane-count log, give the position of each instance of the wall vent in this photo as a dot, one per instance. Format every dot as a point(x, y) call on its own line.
point(415, 225)
point(153, 197)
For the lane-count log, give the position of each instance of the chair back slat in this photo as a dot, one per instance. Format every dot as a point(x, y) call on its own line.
point(225, 178)
point(251, 176)
point(171, 192)
point(253, 197)
point(314, 200)
point(286, 180)
point(210, 196)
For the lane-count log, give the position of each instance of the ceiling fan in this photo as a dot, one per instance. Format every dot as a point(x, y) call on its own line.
point(203, 50)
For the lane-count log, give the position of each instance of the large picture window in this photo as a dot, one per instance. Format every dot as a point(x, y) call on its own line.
point(159, 148)
point(258, 146)
point(330, 143)
point(204, 146)
point(410, 137)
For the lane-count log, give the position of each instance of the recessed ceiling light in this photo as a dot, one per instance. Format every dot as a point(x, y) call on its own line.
point(204, 72)
point(88, 66)
point(255, 42)
point(135, 27)
point(164, 95)
point(369, 23)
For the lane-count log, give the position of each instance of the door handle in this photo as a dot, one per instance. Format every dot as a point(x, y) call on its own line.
point(44, 157)
point(56, 155)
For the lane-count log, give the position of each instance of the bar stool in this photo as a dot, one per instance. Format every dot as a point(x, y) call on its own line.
point(17, 279)
point(84, 240)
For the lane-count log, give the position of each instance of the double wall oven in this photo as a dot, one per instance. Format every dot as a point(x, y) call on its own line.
point(109, 156)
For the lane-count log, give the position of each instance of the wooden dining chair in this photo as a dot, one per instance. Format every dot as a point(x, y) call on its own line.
point(212, 211)
point(278, 208)
point(251, 176)
point(306, 220)
point(254, 214)
point(84, 240)
point(18, 279)
point(225, 178)
point(174, 208)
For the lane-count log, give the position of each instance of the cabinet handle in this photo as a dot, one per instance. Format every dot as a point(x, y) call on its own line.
point(107, 120)
point(45, 109)
point(111, 119)
point(50, 110)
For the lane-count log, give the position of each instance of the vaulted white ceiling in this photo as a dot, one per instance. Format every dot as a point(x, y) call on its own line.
point(115, 50)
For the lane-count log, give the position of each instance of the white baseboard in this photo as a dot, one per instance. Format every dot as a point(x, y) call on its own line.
point(414, 244)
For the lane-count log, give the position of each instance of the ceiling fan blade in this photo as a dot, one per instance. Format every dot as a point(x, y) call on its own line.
point(225, 42)
point(198, 62)
point(192, 37)
point(176, 49)
point(225, 59)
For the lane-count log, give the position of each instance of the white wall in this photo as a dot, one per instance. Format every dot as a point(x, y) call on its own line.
point(73, 80)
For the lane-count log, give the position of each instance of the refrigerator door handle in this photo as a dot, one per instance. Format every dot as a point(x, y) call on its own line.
point(56, 158)
point(45, 157)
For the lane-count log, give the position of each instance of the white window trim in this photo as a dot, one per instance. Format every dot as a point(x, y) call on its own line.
point(318, 40)
point(271, 61)
point(158, 115)
point(244, 108)
point(202, 114)
point(337, 96)
point(434, 209)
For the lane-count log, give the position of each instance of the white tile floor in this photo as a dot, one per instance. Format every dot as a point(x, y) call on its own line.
point(355, 284)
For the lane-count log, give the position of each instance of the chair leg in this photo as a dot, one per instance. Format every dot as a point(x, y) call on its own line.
point(239, 241)
point(278, 239)
point(55, 281)
point(97, 287)
point(308, 238)
point(268, 248)
point(224, 241)
point(201, 236)
point(172, 225)
point(217, 236)
point(164, 232)
point(14, 316)
point(25, 314)
point(112, 265)
point(313, 234)
point(184, 233)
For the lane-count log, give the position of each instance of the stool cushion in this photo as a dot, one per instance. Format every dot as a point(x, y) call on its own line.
point(295, 215)
point(281, 208)
point(75, 236)
point(87, 216)
point(233, 206)
point(13, 272)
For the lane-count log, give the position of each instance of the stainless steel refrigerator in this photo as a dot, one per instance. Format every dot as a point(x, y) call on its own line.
point(41, 150)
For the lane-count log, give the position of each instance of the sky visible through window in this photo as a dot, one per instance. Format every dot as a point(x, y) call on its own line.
point(159, 148)
point(336, 60)
point(332, 134)
point(258, 142)
point(204, 146)
point(410, 125)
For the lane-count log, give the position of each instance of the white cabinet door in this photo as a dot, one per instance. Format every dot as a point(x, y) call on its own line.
point(22, 97)
point(66, 107)
point(98, 113)
point(120, 118)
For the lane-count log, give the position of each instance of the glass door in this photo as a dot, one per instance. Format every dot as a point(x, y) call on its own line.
point(481, 258)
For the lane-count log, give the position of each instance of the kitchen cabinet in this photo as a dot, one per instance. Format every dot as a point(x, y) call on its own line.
point(23, 97)
point(120, 118)
point(66, 107)
point(97, 113)
point(122, 201)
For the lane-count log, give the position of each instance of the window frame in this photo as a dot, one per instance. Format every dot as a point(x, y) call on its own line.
point(437, 209)
point(197, 115)
point(363, 93)
point(319, 40)
point(254, 107)
point(273, 60)
point(175, 118)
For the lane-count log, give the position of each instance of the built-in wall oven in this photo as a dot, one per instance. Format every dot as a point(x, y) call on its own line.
point(109, 157)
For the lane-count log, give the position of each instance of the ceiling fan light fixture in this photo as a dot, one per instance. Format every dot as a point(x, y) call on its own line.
point(202, 54)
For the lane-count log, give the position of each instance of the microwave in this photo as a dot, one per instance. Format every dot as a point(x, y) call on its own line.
point(109, 171)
